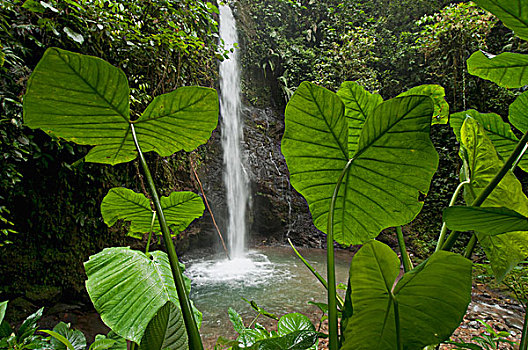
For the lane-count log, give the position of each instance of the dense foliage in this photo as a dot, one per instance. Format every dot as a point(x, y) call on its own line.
point(159, 44)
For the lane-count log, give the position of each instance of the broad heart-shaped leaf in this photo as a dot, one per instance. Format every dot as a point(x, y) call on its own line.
point(507, 70)
point(513, 13)
point(85, 100)
point(294, 322)
point(359, 104)
point(180, 209)
point(498, 131)
point(394, 162)
point(432, 299)
point(506, 250)
point(128, 289)
point(298, 340)
point(518, 113)
point(166, 330)
point(437, 94)
point(485, 220)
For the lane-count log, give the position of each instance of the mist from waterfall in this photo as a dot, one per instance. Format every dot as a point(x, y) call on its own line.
point(235, 178)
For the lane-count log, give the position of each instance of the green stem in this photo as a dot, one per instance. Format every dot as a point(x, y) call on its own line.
point(491, 186)
point(524, 337)
point(133, 346)
point(195, 343)
point(340, 301)
point(397, 321)
point(330, 266)
point(150, 233)
point(443, 232)
point(407, 264)
point(470, 246)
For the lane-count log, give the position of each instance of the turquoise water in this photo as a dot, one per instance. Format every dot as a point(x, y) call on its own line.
point(273, 277)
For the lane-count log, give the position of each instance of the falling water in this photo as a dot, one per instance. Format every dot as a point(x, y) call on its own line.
point(234, 175)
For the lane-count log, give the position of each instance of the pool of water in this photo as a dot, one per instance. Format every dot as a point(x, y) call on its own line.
point(273, 277)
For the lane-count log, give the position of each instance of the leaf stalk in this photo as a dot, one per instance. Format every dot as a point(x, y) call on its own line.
point(195, 342)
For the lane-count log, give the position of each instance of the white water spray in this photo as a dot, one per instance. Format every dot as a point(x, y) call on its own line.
point(232, 134)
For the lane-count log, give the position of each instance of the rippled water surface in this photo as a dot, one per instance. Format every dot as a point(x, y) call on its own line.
point(273, 277)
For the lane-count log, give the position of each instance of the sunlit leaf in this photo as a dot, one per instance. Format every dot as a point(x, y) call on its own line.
point(507, 70)
point(180, 209)
point(518, 113)
point(392, 166)
point(437, 94)
point(498, 131)
point(86, 100)
point(506, 250)
point(513, 13)
point(485, 220)
point(432, 299)
point(359, 104)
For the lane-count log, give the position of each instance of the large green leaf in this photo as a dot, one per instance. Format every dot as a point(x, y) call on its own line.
point(392, 166)
point(128, 289)
point(437, 94)
point(359, 104)
point(180, 209)
point(518, 113)
point(485, 220)
point(166, 330)
point(297, 340)
point(498, 131)
point(432, 299)
point(506, 250)
point(507, 70)
point(86, 100)
point(513, 13)
point(294, 322)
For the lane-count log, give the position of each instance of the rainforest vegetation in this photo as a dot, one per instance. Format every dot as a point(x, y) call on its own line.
point(391, 112)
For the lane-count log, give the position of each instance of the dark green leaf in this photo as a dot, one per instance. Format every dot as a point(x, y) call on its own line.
point(506, 70)
point(393, 165)
point(29, 326)
point(294, 322)
point(506, 250)
point(166, 330)
point(513, 13)
point(102, 344)
point(485, 220)
point(437, 94)
point(180, 209)
point(236, 321)
point(298, 340)
point(432, 299)
point(498, 131)
point(74, 337)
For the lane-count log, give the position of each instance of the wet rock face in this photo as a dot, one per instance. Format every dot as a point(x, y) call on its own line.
point(277, 211)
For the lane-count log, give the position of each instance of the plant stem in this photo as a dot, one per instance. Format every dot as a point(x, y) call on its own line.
point(407, 264)
point(524, 337)
point(195, 343)
point(489, 188)
point(150, 233)
point(133, 345)
point(397, 321)
point(443, 232)
point(340, 302)
point(330, 265)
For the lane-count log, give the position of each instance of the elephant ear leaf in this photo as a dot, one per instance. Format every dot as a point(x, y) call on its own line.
point(513, 13)
point(128, 289)
point(507, 70)
point(85, 100)
point(166, 330)
point(505, 250)
point(359, 104)
point(431, 299)
point(394, 140)
point(485, 220)
point(180, 209)
point(498, 131)
point(437, 94)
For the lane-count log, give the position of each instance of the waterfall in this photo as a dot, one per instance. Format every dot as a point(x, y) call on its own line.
point(235, 179)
